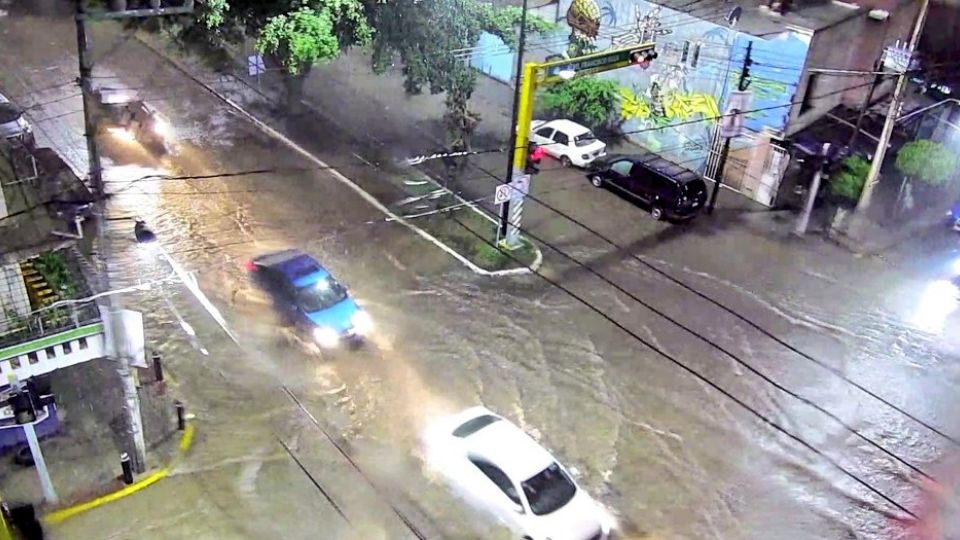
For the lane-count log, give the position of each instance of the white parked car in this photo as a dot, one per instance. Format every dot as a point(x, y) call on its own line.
point(499, 468)
point(567, 141)
point(13, 125)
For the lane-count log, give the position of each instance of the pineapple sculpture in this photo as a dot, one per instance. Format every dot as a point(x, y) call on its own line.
point(583, 16)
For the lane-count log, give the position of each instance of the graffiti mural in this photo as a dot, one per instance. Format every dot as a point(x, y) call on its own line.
point(661, 109)
point(697, 68)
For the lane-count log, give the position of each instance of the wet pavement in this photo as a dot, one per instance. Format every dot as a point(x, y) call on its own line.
point(671, 456)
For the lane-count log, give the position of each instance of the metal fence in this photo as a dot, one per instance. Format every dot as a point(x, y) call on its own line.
point(42, 296)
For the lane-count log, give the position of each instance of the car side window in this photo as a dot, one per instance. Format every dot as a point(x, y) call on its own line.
point(561, 138)
point(545, 132)
point(500, 479)
point(621, 167)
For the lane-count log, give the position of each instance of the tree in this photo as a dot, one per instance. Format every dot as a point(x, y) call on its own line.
point(589, 100)
point(847, 184)
point(298, 33)
point(927, 161)
point(432, 40)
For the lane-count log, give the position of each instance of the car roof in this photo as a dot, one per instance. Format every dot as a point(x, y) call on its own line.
point(505, 445)
point(569, 127)
point(658, 163)
point(298, 267)
point(9, 112)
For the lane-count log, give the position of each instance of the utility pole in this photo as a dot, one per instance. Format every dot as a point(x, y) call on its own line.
point(133, 422)
point(804, 220)
point(742, 86)
point(896, 105)
point(517, 86)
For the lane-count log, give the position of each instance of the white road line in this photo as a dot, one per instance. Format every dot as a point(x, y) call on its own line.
point(346, 181)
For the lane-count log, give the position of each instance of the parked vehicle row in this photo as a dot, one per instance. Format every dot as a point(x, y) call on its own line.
point(667, 189)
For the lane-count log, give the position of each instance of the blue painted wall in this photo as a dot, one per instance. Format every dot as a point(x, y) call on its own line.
point(661, 105)
point(493, 58)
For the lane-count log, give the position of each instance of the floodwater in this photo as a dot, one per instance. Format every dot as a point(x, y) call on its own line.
point(683, 419)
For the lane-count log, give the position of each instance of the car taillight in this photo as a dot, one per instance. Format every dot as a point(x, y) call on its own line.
point(250, 266)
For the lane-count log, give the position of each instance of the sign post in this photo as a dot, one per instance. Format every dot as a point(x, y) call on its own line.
point(518, 190)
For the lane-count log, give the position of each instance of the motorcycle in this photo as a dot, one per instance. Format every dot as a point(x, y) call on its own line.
point(135, 119)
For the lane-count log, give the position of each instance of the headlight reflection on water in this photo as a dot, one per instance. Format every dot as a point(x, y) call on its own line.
point(938, 300)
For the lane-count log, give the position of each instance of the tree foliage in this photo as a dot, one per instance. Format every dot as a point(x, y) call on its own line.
point(301, 33)
point(847, 184)
point(432, 40)
point(590, 100)
point(300, 39)
point(928, 161)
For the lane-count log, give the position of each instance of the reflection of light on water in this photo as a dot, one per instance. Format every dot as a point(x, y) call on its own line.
point(125, 181)
point(938, 301)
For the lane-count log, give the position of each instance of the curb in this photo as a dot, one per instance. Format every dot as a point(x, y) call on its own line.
point(370, 199)
point(59, 516)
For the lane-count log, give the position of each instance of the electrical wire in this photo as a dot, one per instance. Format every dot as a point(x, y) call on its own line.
point(699, 376)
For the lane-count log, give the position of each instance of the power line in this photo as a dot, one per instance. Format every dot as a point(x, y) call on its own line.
point(731, 355)
point(697, 375)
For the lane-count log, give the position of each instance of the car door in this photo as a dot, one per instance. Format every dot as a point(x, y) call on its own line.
point(560, 146)
point(618, 173)
point(543, 136)
point(642, 183)
point(666, 193)
point(504, 496)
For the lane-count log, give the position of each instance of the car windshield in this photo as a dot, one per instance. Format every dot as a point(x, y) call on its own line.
point(585, 139)
point(474, 425)
point(549, 490)
point(320, 295)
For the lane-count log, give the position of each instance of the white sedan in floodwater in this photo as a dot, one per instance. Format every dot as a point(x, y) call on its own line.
point(502, 470)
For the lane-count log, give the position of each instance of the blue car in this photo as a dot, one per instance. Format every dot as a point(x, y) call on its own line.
point(309, 297)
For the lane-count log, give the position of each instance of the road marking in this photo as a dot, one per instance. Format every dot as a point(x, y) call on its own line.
point(339, 176)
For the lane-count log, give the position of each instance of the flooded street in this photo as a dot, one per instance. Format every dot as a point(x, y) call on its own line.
point(701, 386)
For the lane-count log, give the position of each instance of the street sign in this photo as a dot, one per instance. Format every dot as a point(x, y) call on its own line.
point(899, 58)
point(520, 186)
point(502, 194)
point(592, 63)
point(731, 125)
point(255, 65)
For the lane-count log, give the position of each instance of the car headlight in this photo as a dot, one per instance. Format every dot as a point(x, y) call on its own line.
point(326, 337)
point(585, 156)
point(162, 128)
point(362, 322)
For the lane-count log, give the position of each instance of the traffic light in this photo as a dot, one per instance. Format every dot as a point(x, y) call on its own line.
point(642, 57)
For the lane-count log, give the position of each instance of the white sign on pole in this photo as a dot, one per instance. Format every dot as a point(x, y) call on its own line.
point(255, 65)
point(520, 185)
point(133, 341)
point(519, 189)
point(502, 194)
point(731, 125)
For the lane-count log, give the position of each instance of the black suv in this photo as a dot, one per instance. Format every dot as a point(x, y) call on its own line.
point(669, 190)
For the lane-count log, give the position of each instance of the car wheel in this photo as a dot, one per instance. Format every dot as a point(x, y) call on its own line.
point(565, 161)
point(596, 180)
point(656, 213)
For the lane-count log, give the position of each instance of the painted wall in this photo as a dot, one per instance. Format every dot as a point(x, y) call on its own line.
point(698, 66)
point(492, 58)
